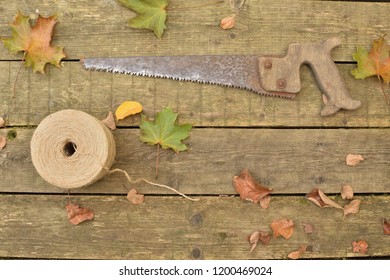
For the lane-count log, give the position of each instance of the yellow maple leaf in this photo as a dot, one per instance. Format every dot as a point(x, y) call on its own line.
point(128, 108)
point(34, 41)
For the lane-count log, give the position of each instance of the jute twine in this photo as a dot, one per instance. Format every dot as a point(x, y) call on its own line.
point(72, 149)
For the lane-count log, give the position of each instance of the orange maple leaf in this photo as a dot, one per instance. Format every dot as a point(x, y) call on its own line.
point(34, 41)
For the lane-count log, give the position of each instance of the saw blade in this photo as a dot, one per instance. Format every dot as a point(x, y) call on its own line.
point(232, 71)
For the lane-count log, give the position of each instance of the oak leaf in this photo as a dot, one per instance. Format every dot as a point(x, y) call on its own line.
point(164, 131)
point(386, 227)
point(34, 41)
point(320, 199)
point(151, 14)
point(128, 108)
point(283, 227)
point(77, 214)
point(297, 254)
point(376, 62)
point(134, 197)
point(352, 207)
point(249, 189)
point(3, 142)
point(353, 160)
point(360, 246)
point(346, 192)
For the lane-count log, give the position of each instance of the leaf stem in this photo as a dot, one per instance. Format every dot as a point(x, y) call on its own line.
point(157, 159)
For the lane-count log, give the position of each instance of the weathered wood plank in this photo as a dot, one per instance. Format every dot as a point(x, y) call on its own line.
point(262, 27)
point(287, 160)
point(201, 105)
point(35, 226)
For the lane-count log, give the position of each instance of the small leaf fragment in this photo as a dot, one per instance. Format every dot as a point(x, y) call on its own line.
point(77, 214)
point(249, 189)
point(320, 199)
point(128, 108)
point(308, 228)
point(360, 246)
point(386, 227)
point(352, 207)
point(352, 160)
point(227, 22)
point(255, 237)
point(134, 197)
point(298, 254)
point(346, 192)
point(3, 142)
point(283, 227)
point(109, 121)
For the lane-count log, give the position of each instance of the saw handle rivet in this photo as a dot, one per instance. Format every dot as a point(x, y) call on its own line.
point(268, 64)
point(281, 83)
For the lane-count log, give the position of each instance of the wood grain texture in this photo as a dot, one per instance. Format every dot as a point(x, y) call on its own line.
point(174, 228)
point(202, 105)
point(287, 160)
point(266, 26)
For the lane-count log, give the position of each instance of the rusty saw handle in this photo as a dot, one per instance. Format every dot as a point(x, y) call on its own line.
point(281, 74)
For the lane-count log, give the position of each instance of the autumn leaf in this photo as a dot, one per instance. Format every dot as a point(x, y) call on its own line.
point(249, 189)
point(297, 254)
point(77, 214)
point(34, 41)
point(352, 207)
point(360, 246)
point(151, 14)
point(352, 160)
point(376, 62)
point(346, 192)
point(256, 236)
point(164, 131)
point(134, 197)
point(227, 22)
point(320, 199)
point(283, 227)
point(128, 108)
point(3, 142)
point(386, 227)
point(109, 121)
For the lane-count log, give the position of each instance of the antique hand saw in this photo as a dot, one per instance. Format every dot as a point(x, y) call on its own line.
point(266, 75)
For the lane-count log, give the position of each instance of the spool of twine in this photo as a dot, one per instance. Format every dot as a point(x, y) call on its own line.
point(72, 149)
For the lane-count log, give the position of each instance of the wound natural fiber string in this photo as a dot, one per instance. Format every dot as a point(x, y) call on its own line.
point(72, 149)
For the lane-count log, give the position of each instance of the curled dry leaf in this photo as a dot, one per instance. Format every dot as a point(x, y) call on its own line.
point(3, 142)
point(320, 199)
point(128, 108)
point(298, 254)
point(255, 237)
point(109, 121)
point(352, 207)
point(283, 227)
point(386, 227)
point(360, 246)
point(134, 197)
point(353, 160)
point(346, 192)
point(2, 122)
point(249, 189)
point(77, 214)
point(227, 22)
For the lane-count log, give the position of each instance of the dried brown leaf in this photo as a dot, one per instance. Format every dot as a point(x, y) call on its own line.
point(320, 199)
point(308, 228)
point(256, 236)
point(3, 142)
point(352, 207)
point(360, 246)
point(227, 22)
point(77, 214)
point(297, 254)
point(2, 122)
point(386, 227)
point(283, 227)
point(248, 188)
point(134, 197)
point(353, 160)
point(109, 121)
point(346, 192)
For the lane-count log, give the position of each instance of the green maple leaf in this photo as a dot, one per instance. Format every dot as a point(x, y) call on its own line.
point(34, 41)
point(164, 131)
point(151, 14)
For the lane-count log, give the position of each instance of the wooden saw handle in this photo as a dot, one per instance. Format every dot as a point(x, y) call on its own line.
point(281, 74)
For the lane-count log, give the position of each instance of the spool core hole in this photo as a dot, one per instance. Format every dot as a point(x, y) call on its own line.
point(69, 149)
